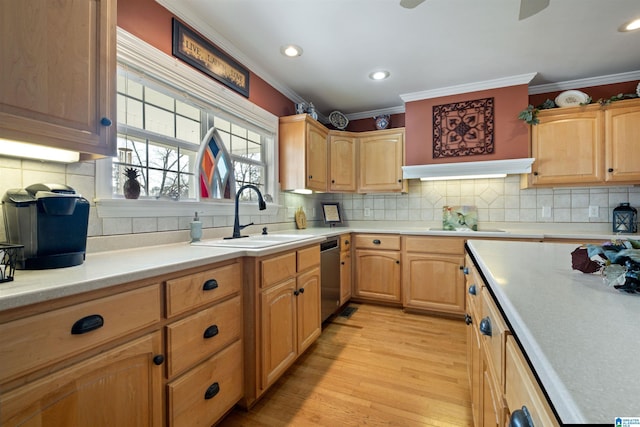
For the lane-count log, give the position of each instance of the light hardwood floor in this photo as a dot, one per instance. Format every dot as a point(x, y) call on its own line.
point(381, 367)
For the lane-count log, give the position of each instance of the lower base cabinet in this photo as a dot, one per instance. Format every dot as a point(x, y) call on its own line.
point(121, 387)
point(377, 268)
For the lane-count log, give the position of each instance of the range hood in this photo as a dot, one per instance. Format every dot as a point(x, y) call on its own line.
point(468, 170)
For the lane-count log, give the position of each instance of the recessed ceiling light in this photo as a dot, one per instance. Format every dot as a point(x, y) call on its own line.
point(379, 75)
point(291, 50)
point(630, 26)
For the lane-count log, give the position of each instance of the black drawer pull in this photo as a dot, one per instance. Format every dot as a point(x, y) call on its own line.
point(521, 418)
point(210, 285)
point(87, 324)
point(485, 326)
point(472, 290)
point(467, 319)
point(376, 241)
point(211, 331)
point(158, 359)
point(212, 391)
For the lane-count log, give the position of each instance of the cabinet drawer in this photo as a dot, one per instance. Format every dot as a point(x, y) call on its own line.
point(494, 341)
point(439, 245)
point(208, 391)
point(308, 257)
point(522, 389)
point(276, 269)
point(188, 292)
point(378, 241)
point(40, 340)
point(193, 338)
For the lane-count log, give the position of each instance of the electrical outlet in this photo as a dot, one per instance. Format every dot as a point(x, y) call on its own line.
point(594, 211)
point(546, 212)
point(367, 211)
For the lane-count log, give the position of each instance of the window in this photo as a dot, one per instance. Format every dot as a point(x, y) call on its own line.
point(161, 133)
point(166, 112)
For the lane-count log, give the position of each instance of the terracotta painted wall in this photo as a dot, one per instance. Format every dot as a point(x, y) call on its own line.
point(595, 92)
point(151, 22)
point(363, 125)
point(511, 138)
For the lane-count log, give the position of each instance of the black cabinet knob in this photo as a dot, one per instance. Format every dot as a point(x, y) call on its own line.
point(158, 359)
point(485, 326)
point(105, 121)
point(397, 262)
point(376, 241)
point(296, 292)
point(467, 319)
point(610, 170)
point(465, 270)
point(301, 290)
point(310, 176)
point(472, 290)
point(535, 174)
point(341, 262)
point(521, 418)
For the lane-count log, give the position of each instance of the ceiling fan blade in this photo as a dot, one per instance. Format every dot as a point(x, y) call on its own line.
point(410, 4)
point(531, 7)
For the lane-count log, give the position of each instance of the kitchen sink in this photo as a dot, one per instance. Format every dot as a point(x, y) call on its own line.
point(255, 241)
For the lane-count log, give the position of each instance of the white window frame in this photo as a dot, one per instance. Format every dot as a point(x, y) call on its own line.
point(148, 59)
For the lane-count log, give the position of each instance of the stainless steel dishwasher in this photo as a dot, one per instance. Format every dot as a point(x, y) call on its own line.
point(330, 277)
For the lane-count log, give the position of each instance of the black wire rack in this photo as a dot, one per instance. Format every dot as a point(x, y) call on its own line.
point(8, 260)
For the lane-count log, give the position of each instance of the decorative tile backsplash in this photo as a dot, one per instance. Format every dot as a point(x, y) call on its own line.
point(497, 200)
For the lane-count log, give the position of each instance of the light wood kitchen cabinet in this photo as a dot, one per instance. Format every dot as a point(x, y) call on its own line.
point(283, 318)
point(342, 161)
point(345, 268)
point(90, 393)
point(380, 161)
point(377, 268)
point(303, 153)
point(68, 366)
point(432, 274)
point(204, 344)
point(58, 79)
point(589, 145)
point(622, 128)
point(500, 378)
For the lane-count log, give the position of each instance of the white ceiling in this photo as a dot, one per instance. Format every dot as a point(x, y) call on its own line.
point(439, 44)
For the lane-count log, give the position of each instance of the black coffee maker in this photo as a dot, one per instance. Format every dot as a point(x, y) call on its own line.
point(51, 221)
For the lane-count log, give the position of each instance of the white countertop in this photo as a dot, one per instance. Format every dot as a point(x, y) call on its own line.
point(580, 335)
point(113, 267)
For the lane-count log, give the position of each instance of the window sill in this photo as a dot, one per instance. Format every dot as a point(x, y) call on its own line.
point(142, 208)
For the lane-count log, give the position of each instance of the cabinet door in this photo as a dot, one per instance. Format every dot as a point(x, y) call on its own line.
point(57, 80)
point(434, 282)
point(378, 275)
point(568, 148)
point(493, 409)
point(278, 315)
point(345, 277)
point(316, 158)
point(381, 157)
point(121, 387)
point(308, 306)
point(342, 158)
point(622, 125)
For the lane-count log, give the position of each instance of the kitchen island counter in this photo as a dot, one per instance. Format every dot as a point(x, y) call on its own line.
point(579, 335)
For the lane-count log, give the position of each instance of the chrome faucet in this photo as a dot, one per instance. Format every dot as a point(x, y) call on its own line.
point(236, 223)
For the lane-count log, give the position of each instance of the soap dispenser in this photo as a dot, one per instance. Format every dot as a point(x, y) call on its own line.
point(196, 229)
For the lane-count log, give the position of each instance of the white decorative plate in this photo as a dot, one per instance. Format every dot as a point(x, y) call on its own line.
point(571, 98)
point(338, 119)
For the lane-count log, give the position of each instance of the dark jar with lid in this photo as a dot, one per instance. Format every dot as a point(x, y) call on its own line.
point(625, 219)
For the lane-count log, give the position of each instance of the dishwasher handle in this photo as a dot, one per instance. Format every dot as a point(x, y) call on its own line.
point(328, 245)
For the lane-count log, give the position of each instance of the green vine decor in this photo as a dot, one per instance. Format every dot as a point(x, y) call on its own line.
point(530, 114)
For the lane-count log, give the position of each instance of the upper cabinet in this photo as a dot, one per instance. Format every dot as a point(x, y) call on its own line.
point(58, 74)
point(589, 145)
point(342, 161)
point(381, 156)
point(303, 153)
point(315, 158)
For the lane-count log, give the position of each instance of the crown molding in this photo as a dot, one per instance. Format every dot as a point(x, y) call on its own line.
point(469, 87)
point(580, 83)
point(373, 113)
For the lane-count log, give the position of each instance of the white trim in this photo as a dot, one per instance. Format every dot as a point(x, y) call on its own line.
point(469, 87)
point(509, 166)
point(580, 83)
point(144, 208)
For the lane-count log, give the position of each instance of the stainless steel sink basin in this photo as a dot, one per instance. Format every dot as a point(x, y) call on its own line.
point(255, 241)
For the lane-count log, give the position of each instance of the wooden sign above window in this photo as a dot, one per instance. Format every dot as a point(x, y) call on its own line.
point(201, 54)
point(463, 128)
